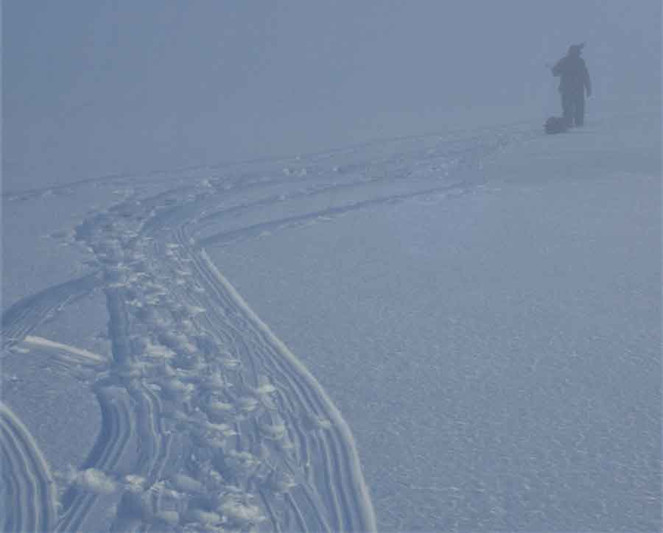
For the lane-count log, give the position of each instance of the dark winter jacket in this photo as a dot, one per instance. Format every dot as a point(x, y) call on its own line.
point(573, 74)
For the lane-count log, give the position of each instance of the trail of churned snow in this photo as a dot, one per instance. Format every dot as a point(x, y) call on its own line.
point(208, 421)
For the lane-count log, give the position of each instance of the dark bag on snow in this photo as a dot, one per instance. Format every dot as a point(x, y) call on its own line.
point(556, 125)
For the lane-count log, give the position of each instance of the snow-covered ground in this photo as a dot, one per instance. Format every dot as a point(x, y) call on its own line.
point(455, 332)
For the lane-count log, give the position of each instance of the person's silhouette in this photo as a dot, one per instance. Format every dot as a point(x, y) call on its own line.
point(574, 84)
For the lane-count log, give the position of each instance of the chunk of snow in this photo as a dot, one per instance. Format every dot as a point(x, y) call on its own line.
point(134, 483)
point(203, 517)
point(240, 512)
point(185, 483)
point(171, 518)
point(95, 481)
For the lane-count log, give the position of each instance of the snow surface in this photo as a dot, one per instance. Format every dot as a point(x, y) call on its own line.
point(455, 332)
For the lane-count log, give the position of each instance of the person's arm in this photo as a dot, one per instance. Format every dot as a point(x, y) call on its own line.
point(557, 69)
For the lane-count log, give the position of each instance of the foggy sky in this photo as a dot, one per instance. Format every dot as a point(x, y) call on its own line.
point(105, 86)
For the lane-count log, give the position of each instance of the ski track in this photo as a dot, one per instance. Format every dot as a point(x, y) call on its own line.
point(27, 314)
point(209, 422)
point(28, 490)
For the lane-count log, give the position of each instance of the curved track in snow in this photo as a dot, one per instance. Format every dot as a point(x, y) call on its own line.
point(209, 422)
point(28, 492)
point(24, 316)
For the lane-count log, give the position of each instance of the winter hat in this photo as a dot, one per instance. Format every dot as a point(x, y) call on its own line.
point(576, 48)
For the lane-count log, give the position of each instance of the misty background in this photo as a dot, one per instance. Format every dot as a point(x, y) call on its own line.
point(114, 86)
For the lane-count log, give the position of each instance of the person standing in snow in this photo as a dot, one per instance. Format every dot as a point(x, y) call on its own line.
point(574, 84)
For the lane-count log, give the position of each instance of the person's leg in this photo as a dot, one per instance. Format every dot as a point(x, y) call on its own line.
point(567, 108)
point(579, 110)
